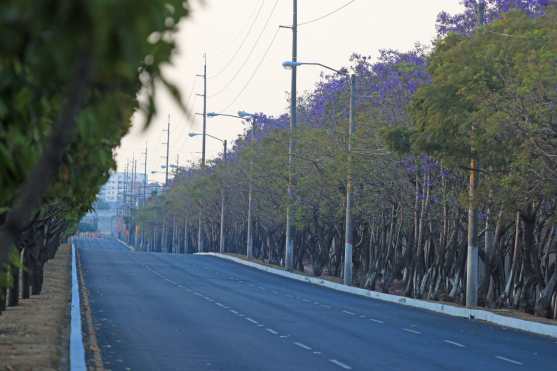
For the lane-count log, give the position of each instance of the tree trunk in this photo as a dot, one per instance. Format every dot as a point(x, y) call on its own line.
point(13, 292)
point(25, 277)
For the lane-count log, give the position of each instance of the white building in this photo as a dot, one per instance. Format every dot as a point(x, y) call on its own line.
point(120, 184)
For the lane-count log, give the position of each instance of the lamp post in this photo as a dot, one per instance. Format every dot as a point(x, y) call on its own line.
point(245, 116)
point(348, 217)
point(222, 198)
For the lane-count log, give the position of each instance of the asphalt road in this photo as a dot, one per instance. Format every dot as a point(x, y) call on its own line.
point(186, 312)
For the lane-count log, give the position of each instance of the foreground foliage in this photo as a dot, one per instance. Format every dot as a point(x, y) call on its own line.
point(70, 72)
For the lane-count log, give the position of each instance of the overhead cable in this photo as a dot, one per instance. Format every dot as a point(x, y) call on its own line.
point(325, 15)
point(253, 73)
point(248, 32)
point(223, 89)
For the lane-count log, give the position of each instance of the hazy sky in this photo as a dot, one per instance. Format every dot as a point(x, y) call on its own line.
point(219, 27)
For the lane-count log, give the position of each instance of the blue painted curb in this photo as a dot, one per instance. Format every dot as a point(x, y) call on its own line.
point(77, 350)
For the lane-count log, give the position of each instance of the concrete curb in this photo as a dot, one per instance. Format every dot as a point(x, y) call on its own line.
point(131, 248)
point(77, 350)
point(451, 310)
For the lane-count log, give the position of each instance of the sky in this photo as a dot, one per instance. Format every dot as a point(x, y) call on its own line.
point(245, 48)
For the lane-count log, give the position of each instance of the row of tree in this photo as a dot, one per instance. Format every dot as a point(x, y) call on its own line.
point(485, 92)
point(70, 75)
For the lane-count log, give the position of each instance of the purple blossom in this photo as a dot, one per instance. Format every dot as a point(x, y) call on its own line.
point(465, 22)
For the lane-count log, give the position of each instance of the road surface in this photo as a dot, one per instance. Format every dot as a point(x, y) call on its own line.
point(186, 312)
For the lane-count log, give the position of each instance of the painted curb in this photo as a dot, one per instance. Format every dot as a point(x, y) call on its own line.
point(451, 310)
point(131, 248)
point(77, 350)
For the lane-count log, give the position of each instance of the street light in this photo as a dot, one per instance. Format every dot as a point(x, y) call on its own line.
point(222, 197)
point(243, 115)
point(348, 219)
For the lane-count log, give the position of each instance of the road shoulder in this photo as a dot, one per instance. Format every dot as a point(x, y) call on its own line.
point(92, 349)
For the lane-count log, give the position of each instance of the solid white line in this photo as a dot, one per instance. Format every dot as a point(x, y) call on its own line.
point(411, 331)
point(376, 320)
point(340, 364)
point(509, 360)
point(348, 312)
point(454, 343)
point(301, 345)
point(77, 350)
point(251, 320)
point(272, 331)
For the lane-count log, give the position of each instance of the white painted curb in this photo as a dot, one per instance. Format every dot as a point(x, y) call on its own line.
point(77, 351)
point(451, 310)
point(129, 247)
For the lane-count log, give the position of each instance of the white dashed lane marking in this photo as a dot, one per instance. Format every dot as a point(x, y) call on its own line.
point(302, 345)
point(411, 331)
point(270, 330)
point(340, 364)
point(251, 320)
point(454, 343)
point(348, 312)
point(509, 360)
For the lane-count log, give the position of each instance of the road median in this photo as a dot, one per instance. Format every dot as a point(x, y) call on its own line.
point(34, 335)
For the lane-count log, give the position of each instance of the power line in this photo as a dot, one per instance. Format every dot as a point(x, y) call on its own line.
point(253, 73)
point(325, 15)
point(228, 63)
point(193, 85)
point(248, 55)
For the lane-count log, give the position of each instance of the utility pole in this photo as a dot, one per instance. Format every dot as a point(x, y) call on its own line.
point(134, 203)
point(249, 249)
point(126, 188)
point(472, 258)
point(348, 225)
point(222, 202)
point(204, 95)
point(145, 177)
point(290, 231)
point(144, 201)
point(167, 152)
point(164, 236)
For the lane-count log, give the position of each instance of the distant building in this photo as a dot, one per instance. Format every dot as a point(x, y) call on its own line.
point(122, 185)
